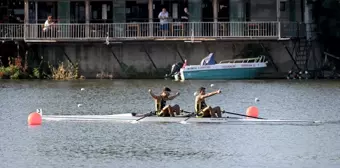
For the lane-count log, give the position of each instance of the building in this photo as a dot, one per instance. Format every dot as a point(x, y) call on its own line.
point(102, 35)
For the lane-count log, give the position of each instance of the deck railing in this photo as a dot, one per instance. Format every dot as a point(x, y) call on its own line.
point(259, 59)
point(144, 31)
point(11, 31)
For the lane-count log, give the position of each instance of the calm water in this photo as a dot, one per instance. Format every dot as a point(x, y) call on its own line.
point(149, 145)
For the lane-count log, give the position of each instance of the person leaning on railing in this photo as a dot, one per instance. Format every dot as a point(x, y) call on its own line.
point(185, 20)
point(163, 20)
point(48, 23)
point(47, 26)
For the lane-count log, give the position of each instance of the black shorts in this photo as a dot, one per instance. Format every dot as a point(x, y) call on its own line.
point(200, 115)
point(162, 114)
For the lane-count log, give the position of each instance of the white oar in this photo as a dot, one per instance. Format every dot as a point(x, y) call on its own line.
point(185, 121)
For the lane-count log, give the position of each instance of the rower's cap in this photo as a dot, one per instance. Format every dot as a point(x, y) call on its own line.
point(201, 89)
point(166, 89)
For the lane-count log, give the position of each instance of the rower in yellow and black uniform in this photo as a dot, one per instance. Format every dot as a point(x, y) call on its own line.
point(201, 108)
point(162, 109)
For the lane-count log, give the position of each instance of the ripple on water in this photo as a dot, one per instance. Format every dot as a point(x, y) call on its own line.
point(108, 144)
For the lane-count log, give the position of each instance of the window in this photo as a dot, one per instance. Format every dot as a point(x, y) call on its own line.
point(45, 9)
point(77, 12)
point(282, 6)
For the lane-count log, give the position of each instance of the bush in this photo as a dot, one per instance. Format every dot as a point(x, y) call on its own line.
point(65, 71)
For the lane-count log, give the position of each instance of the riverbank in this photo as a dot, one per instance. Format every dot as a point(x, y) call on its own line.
point(19, 69)
point(148, 60)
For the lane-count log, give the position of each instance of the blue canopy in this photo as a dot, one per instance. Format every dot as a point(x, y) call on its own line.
point(209, 60)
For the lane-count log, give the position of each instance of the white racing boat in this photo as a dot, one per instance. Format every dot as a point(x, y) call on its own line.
point(133, 117)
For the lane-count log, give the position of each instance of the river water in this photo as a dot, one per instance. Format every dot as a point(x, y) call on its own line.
point(154, 145)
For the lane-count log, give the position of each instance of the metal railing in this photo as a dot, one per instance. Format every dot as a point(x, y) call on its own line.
point(259, 59)
point(144, 31)
point(12, 31)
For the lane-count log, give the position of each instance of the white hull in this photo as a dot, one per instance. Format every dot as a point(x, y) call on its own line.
point(129, 118)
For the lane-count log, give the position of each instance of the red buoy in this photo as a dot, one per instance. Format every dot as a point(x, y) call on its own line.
point(252, 111)
point(34, 119)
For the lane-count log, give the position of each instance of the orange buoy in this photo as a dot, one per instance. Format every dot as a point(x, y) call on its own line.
point(34, 119)
point(252, 111)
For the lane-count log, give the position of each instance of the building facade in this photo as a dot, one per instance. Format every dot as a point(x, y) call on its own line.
point(128, 25)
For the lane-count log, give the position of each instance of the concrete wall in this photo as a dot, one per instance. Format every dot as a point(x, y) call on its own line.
point(97, 58)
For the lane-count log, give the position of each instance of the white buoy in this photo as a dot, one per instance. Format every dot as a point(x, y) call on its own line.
point(79, 105)
point(257, 99)
point(212, 85)
point(82, 89)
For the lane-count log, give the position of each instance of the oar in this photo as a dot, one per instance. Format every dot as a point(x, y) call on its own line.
point(185, 121)
point(212, 85)
point(145, 115)
point(183, 111)
point(242, 115)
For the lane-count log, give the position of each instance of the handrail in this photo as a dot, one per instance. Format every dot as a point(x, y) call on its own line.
point(245, 60)
point(142, 30)
point(331, 55)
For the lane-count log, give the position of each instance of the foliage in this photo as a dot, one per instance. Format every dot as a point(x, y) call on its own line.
point(36, 73)
point(65, 71)
point(15, 70)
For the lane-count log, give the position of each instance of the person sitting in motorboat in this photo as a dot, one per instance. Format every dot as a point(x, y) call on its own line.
point(202, 109)
point(162, 109)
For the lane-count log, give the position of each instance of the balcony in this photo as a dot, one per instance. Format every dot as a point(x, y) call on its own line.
point(177, 31)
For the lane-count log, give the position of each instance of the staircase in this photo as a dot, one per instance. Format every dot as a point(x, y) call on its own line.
point(300, 69)
point(302, 54)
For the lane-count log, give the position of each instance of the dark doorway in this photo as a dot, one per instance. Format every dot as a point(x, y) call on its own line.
point(97, 14)
point(137, 11)
point(46, 9)
point(77, 12)
point(223, 11)
point(207, 11)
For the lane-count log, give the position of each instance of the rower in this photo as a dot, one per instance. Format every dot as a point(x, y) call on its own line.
point(201, 108)
point(162, 109)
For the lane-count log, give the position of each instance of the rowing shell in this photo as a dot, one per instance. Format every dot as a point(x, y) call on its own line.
point(128, 117)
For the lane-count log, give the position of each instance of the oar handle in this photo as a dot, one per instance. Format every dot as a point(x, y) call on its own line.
point(242, 115)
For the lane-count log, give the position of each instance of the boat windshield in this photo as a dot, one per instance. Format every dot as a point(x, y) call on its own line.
point(209, 60)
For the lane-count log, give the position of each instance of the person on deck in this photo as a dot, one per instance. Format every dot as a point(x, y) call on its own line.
point(185, 20)
point(48, 23)
point(162, 109)
point(202, 109)
point(163, 17)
